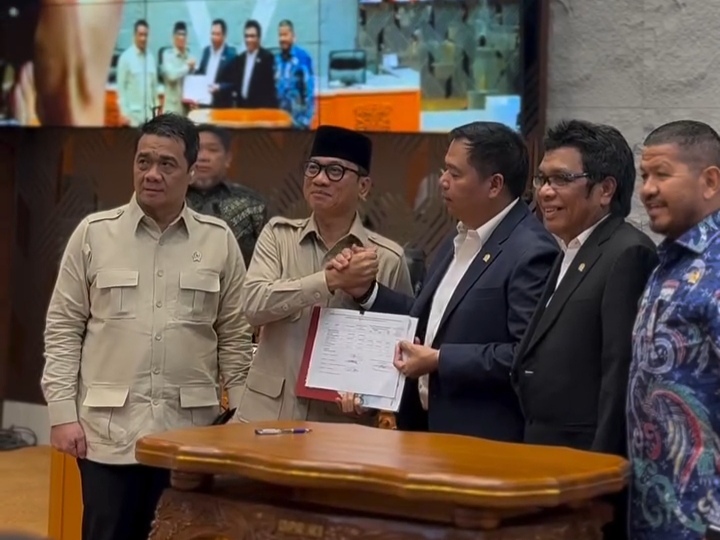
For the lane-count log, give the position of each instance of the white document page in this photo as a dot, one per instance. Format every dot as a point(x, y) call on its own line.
point(196, 88)
point(353, 352)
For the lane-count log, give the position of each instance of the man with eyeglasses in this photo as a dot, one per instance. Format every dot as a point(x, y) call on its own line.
point(571, 368)
point(289, 275)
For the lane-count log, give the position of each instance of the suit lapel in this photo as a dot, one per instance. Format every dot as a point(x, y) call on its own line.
point(485, 257)
point(581, 265)
point(428, 290)
point(539, 312)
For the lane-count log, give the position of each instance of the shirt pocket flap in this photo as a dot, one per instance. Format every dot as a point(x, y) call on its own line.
point(198, 396)
point(267, 385)
point(200, 282)
point(106, 396)
point(107, 279)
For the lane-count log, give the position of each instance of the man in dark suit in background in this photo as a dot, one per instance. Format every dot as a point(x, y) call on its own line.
point(213, 63)
point(571, 369)
point(478, 296)
point(253, 72)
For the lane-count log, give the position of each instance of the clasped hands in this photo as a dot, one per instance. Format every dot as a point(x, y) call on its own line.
point(354, 270)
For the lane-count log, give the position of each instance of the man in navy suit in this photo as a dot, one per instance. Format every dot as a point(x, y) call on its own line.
point(214, 62)
point(479, 294)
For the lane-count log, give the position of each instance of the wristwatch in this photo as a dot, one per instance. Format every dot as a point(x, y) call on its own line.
point(713, 532)
point(365, 297)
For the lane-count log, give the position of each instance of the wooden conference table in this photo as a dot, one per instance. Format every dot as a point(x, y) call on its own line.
point(349, 481)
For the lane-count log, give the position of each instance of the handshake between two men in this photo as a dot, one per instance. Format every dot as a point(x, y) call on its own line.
point(354, 271)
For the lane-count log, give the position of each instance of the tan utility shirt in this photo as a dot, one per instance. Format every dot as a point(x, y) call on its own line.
point(140, 327)
point(285, 280)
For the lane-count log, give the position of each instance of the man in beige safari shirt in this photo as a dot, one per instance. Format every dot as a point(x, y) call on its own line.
point(143, 323)
point(288, 276)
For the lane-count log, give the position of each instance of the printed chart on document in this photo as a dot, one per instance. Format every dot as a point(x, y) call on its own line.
point(353, 352)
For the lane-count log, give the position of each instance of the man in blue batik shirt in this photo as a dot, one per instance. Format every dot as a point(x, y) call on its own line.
point(674, 389)
point(294, 78)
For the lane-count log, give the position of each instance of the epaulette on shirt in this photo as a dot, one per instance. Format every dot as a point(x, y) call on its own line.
point(295, 223)
point(211, 220)
point(386, 243)
point(106, 215)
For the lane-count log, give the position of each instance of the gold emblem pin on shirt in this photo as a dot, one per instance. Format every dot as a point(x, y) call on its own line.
point(486, 258)
point(197, 256)
point(581, 267)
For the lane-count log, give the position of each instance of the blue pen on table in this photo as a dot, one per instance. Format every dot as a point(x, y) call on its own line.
point(282, 431)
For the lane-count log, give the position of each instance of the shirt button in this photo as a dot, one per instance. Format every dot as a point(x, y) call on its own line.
point(156, 371)
point(285, 307)
point(155, 402)
point(161, 242)
point(158, 337)
point(160, 273)
point(317, 295)
point(158, 304)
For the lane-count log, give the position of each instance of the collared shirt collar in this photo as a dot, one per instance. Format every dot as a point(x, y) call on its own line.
point(356, 230)
point(138, 51)
point(135, 215)
point(581, 238)
point(697, 238)
point(486, 229)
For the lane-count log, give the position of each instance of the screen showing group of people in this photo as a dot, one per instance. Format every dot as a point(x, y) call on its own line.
point(420, 66)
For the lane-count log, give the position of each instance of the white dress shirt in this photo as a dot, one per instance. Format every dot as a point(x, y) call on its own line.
point(571, 249)
point(214, 63)
point(468, 244)
point(250, 59)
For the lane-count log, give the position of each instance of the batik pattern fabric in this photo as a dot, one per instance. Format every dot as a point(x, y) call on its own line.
point(295, 84)
point(241, 208)
point(674, 392)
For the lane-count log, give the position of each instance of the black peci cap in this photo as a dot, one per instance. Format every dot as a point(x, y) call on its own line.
point(341, 143)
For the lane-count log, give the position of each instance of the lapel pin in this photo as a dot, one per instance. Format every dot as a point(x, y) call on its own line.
point(581, 267)
point(486, 258)
point(196, 256)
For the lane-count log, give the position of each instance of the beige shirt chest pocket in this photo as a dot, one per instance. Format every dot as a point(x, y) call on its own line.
point(199, 296)
point(116, 294)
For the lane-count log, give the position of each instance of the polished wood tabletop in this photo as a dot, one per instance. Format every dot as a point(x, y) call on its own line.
point(419, 466)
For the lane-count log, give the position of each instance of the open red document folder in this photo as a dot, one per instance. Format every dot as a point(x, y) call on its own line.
point(300, 389)
point(352, 351)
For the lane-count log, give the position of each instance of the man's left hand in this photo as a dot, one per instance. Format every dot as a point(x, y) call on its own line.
point(414, 360)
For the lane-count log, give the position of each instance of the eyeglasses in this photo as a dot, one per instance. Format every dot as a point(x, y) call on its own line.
point(334, 171)
point(559, 180)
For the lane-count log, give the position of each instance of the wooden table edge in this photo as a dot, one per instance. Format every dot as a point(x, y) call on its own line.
point(308, 475)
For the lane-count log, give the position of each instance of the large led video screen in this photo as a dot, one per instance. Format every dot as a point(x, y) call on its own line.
point(400, 66)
